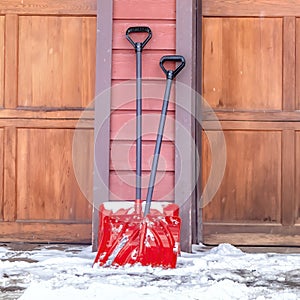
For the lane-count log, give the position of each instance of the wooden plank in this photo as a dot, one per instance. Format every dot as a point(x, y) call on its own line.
point(163, 34)
point(9, 202)
point(297, 64)
point(48, 48)
point(122, 185)
point(253, 8)
point(41, 114)
point(250, 125)
point(123, 95)
point(271, 28)
point(253, 239)
point(11, 61)
point(47, 187)
point(123, 126)
point(123, 156)
point(44, 113)
point(251, 234)
point(288, 178)
point(46, 232)
point(2, 57)
point(212, 41)
point(289, 63)
point(146, 9)
point(44, 123)
point(123, 64)
point(1, 171)
point(253, 116)
point(149, 104)
point(251, 186)
point(297, 178)
point(48, 7)
point(82, 153)
point(242, 63)
point(270, 249)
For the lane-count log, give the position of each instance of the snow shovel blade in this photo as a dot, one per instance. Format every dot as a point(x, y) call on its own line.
point(125, 237)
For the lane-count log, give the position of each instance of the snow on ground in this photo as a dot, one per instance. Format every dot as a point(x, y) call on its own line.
point(51, 272)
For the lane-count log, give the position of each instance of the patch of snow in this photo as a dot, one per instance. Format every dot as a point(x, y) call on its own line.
point(220, 273)
point(226, 249)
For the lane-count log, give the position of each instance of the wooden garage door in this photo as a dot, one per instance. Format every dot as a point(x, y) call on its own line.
point(251, 78)
point(47, 74)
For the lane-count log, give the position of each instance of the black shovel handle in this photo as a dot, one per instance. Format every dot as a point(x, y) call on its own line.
point(171, 74)
point(138, 29)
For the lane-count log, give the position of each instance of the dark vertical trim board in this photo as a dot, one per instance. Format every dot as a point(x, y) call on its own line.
point(198, 234)
point(102, 109)
point(185, 109)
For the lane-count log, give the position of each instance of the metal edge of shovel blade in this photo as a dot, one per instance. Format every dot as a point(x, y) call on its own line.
point(117, 250)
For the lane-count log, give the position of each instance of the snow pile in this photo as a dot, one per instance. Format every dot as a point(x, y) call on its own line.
point(224, 272)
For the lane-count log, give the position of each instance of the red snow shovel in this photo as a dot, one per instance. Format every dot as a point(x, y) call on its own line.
point(126, 234)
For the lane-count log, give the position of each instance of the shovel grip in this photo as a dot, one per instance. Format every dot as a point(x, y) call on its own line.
point(171, 74)
point(138, 29)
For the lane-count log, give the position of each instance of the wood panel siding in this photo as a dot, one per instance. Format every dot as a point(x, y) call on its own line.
point(9, 203)
point(145, 10)
point(55, 54)
point(289, 59)
point(45, 232)
point(46, 7)
point(160, 17)
point(2, 56)
point(288, 177)
point(123, 185)
point(297, 63)
point(246, 56)
point(47, 77)
point(253, 173)
point(127, 161)
point(11, 60)
point(123, 126)
point(123, 67)
point(49, 191)
point(251, 79)
point(123, 95)
point(253, 8)
point(1, 171)
point(297, 178)
point(251, 234)
point(163, 34)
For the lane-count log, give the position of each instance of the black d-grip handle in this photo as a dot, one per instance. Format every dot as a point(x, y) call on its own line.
point(171, 74)
point(138, 29)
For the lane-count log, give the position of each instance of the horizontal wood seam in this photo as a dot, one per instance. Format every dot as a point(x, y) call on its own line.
point(252, 8)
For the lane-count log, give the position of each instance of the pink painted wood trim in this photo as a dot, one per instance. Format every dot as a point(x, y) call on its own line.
point(162, 31)
point(145, 10)
point(123, 186)
point(123, 156)
point(123, 65)
point(123, 126)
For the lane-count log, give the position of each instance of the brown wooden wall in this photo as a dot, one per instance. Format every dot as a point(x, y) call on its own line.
point(251, 73)
point(47, 76)
point(160, 17)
